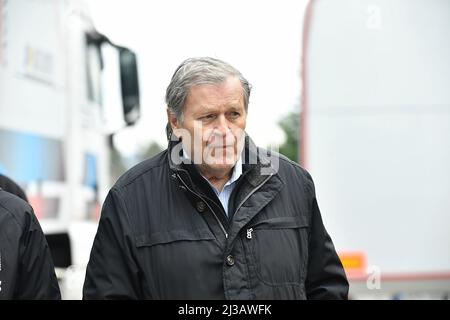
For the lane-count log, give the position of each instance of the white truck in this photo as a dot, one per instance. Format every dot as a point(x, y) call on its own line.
point(64, 90)
point(376, 138)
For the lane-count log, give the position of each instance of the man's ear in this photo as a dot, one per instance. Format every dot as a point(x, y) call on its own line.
point(174, 123)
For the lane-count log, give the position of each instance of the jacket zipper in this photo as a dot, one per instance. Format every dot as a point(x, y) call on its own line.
point(213, 212)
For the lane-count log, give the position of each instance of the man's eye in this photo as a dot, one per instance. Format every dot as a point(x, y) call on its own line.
point(234, 115)
point(208, 117)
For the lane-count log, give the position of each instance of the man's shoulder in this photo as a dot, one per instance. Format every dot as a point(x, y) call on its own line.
point(14, 209)
point(296, 178)
point(142, 169)
point(283, 163)
point(289, 171)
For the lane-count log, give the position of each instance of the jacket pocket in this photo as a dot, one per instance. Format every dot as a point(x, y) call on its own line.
point(165, 237)
point(279, 248)
point(177, 264)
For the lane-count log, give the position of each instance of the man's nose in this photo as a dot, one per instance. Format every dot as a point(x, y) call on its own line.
point(222, 126)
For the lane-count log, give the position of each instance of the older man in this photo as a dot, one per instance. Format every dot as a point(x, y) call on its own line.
point(213, 216)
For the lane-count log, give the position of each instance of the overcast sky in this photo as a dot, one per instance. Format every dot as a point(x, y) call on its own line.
point(260, 38)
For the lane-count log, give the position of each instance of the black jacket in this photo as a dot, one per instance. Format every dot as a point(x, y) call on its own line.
point(26, 267)
point(163, 234)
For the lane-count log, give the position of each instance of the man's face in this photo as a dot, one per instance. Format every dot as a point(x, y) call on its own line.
point(213, 126)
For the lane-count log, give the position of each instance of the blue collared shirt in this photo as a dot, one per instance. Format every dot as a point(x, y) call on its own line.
point(225, 194)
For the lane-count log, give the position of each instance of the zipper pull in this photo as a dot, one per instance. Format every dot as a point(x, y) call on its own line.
point(249, 233)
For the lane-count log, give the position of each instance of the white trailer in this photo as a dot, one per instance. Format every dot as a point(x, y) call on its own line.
point(64, 90)
point(376, 138)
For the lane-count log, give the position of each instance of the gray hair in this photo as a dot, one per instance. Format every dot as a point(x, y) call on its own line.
point(196, 71)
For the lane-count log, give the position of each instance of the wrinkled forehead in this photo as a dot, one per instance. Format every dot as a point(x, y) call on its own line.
point(229, 91)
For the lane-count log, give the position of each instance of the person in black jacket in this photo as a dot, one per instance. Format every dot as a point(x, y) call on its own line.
point(213, 216)
point(26, 266)
point(10, 186)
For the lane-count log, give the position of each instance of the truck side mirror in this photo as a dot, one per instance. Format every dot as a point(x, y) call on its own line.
point(130, 85)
